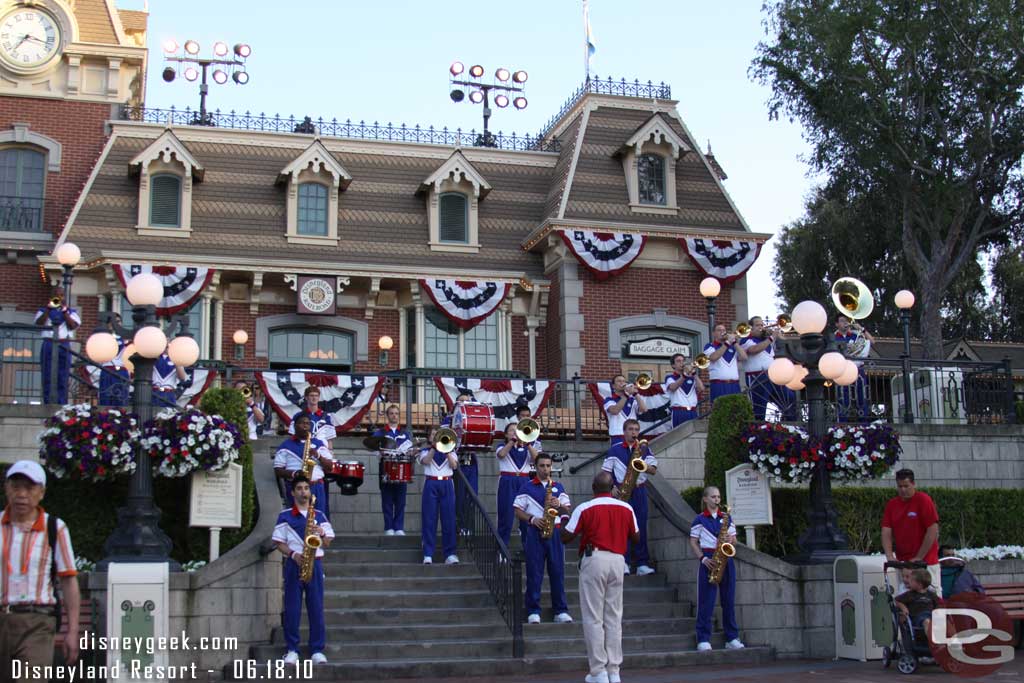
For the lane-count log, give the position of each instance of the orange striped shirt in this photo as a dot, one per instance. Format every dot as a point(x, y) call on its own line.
point(25, 569)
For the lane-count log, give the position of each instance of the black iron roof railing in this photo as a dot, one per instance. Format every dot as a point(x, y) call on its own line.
point(609, 86)
point(341, 129)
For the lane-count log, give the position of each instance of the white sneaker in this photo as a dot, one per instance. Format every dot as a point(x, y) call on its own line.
point(533, 619)
point(599, 678)
point(614, 678)
point(389, 532)
point(626, 571)
point(451, 559)
point(704, 647)
point(644, 570)
point(563, 618)
point(734, 644)
point(318, 658)
point(291, 657)
point(399, 532)
point(428, 560)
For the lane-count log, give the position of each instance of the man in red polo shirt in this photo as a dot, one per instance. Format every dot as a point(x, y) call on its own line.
point(605, 525)
point(910, 528)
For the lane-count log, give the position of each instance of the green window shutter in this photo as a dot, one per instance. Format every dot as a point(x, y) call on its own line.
point(165, 201)
point(453, 218)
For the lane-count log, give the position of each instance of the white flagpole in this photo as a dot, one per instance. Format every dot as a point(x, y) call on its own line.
point(586, 40)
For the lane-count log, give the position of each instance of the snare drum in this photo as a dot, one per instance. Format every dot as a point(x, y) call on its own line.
point(349, 476)
point(474, 423)
point(396, 466)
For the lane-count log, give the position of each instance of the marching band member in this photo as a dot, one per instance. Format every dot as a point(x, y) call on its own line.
point(684, 388)
point(392, 494)
point(760, 348)
point(288, 462)
point(515, 459)
point(624, 404)
point(289, 537)
point(321, 426)
point(253, 414)
point(849, 335)
point(531, 507)
point(703, 541)
point(438, 501)
point(470, 470)
point(723, 352)
point(59, 322)
point(166, 376)
point(617, 463)
point(116, 379)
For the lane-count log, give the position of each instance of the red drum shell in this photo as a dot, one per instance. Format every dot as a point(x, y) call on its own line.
point(474, 423)
point(397, 471)
point(349, 476)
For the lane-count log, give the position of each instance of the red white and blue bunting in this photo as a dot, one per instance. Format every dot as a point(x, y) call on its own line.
point(656, 403)
point(199, 380)
point(722, 259)
point(502, 395)
point(604, 253)
point(345, 397)
point(182, 284)
point(466, 303)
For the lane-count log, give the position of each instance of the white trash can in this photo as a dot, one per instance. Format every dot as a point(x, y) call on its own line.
point(862, 616)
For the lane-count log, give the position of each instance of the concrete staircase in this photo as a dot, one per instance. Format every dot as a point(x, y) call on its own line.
point(389, 616)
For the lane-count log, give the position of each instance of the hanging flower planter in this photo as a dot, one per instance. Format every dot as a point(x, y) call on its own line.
point(182, 442)
point(86, 442)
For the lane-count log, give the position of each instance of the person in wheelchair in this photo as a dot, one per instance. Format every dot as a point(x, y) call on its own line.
point(916, 604)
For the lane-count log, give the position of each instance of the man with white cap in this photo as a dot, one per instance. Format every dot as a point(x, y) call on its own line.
point(36, 551)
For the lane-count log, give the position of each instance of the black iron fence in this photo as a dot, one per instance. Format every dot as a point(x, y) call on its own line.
point(21, 214)
point(609, 86)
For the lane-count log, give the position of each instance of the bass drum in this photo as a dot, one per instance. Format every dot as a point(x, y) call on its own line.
point(474, 424)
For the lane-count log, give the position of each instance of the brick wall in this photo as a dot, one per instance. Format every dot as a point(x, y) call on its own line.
point(553, 331)
point(521, 346)
point(22, 285)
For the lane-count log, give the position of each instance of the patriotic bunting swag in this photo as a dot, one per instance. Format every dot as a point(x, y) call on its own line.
point(182, 284)
point(466, 303)
point(655, 401)
point(721, 259)
point(188, 393)
point(503, 395)
point(604, 253)
point(345, 397)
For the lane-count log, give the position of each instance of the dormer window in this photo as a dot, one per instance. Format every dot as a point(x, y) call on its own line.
point(454, 218)
point(165, 201)
point(166, 172)
point(313, 181)
point(651, 176)
point(312, 218)
point(454, 192)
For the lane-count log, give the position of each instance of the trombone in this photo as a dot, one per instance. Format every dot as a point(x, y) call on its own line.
point(643, 381)
point(445, 440)
point(702, 362)
point(527, 430)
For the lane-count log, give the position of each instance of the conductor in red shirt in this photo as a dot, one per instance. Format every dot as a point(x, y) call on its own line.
point(605, 525)
point(910, 528)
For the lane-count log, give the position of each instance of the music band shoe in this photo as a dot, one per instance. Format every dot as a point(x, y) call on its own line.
point(318, 658)
point(563, 618)
point(533, 619)
point(451, 559)
point(291, 658)
point(428, 560)
point(389, 532)
point(704, 647)
point(644, 570)
point(734, 644)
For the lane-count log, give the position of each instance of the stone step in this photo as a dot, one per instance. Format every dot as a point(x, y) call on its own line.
point(441, 578)
point(545, 662)
point(349, 615)
point(467, 596)
point(337, 554)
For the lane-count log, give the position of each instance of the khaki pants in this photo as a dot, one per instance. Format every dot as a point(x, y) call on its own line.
point(27, 638)
point(601, 603)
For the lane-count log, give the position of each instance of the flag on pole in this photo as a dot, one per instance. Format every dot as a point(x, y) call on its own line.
point(590, 48)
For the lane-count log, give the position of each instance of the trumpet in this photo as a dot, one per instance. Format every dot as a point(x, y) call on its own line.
point(56, 302)
point(742, 330)
point(445, 440)
point(246, 392)
point(527, 430)
point(702, 362)
point(643, 381)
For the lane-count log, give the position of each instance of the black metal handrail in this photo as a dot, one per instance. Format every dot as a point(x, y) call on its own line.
point(502, 572)
point(340, 129)
point(21, 214)
point(610, 86)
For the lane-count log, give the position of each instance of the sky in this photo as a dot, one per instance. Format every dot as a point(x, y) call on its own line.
point(388, 61)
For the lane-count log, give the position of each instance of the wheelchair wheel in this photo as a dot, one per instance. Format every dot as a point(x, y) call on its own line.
point(907, 664)
point(886, 657)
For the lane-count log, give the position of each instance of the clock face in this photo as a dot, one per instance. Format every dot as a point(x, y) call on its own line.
point(29, 38)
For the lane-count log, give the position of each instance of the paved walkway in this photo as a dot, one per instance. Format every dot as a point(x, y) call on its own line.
point(823, 671)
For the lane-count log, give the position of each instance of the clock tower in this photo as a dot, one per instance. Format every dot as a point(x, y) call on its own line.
point(66, 67)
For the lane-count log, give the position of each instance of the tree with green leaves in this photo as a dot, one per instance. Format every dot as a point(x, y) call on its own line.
point(919, 99)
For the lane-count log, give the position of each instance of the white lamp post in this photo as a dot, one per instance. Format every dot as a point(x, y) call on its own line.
point(904, 301)
point(710, 288)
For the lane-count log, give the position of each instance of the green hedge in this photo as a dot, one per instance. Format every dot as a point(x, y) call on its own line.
point(968, 517)
point(729, 415)
point(90, 508)
point(1020, 412)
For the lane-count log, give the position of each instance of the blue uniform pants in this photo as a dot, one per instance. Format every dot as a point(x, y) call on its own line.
point(706, 594)
point(317, 490)
point(114, 386)
point(856, 394)
point(438, 501)
point(508, 489)
point(163, 399)
point(392, 504)
point(58, 394)
point(314, 598)
point(681, 415)
point(762, 392)
point(541, 554)
point(723, 389)
point(638, 551)
point(472, 474)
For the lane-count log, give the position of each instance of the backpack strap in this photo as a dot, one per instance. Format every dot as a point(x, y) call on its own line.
point(51, 536)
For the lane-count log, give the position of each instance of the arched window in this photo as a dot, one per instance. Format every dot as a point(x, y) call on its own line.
point(454, 217)
point(312, 209)
point(165, 201)
point(651, 172)
point(22, 173)
point(296, 347)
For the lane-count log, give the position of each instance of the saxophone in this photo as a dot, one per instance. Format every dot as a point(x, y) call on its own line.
point(636, 467)
point(550, 514)
point(723, 551)
point(308, 462)
point(313, 543)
